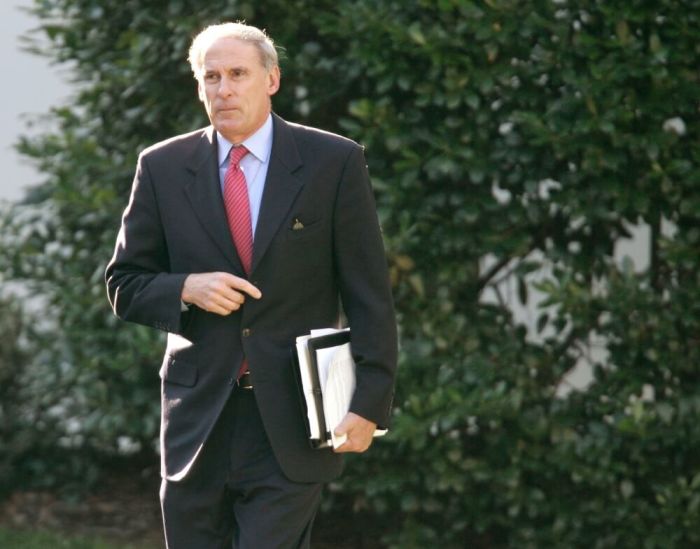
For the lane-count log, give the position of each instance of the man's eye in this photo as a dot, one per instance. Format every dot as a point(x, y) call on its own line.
point(211, 77)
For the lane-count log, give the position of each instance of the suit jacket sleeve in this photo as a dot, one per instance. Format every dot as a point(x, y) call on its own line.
point(365, 291)
point(140, 286)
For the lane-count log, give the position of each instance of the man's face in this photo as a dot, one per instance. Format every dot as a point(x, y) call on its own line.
point(236, 89)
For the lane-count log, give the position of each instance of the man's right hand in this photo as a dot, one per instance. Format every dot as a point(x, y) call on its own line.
point(220, 293)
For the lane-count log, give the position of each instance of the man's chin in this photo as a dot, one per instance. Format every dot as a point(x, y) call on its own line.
point(232, 132)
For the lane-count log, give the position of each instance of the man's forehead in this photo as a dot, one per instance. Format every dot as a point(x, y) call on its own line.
point(230, 50)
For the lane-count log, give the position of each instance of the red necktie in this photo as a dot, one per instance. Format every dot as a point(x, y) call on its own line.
point(238, 214)
point(238, 208)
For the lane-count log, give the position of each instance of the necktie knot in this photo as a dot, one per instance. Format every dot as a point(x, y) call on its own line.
point(237, 153)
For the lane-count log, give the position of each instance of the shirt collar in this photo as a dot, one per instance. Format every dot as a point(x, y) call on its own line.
point(259, 144)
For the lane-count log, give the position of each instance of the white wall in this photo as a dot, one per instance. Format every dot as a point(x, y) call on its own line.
point(31, 87)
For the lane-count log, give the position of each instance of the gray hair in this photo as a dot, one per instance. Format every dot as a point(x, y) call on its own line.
point(240, 31)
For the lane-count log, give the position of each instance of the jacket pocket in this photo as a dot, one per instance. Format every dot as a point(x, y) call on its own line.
point(302, 224)
point(179, 372)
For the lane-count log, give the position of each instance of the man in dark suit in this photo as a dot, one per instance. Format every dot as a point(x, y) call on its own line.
point(237, 239)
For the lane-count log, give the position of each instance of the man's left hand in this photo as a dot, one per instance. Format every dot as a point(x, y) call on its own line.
point(359, 432)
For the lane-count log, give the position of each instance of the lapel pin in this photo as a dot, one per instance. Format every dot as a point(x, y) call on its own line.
point(298, 225)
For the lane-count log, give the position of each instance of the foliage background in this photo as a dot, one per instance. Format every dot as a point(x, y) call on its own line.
point(508, 141)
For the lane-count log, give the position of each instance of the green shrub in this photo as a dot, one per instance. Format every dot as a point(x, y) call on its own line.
point(535, 134)
point(18, 539)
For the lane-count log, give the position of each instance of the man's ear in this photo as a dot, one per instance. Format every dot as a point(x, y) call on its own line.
point(273, 80)
point(200, 90)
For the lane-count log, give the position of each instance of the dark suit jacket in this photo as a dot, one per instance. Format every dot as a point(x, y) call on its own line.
point(175, 224)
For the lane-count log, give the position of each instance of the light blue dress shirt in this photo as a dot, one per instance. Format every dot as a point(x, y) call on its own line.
point(254, 165)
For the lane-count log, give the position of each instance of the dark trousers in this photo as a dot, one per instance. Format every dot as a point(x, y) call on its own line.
point(236, 495)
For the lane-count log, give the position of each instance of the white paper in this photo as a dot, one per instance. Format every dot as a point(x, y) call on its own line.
point(327, 331)
point(338, 388)
point(307, 385)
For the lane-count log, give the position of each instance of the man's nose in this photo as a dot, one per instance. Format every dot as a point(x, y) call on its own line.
point(225, 87)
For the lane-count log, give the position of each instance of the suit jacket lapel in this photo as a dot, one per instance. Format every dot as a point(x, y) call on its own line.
point(281, 187)
point(204, 193)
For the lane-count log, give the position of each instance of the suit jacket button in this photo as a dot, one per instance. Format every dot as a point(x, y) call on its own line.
point(246, 332)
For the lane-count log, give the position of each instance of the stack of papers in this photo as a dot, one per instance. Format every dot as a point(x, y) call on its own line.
point(326, 375)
